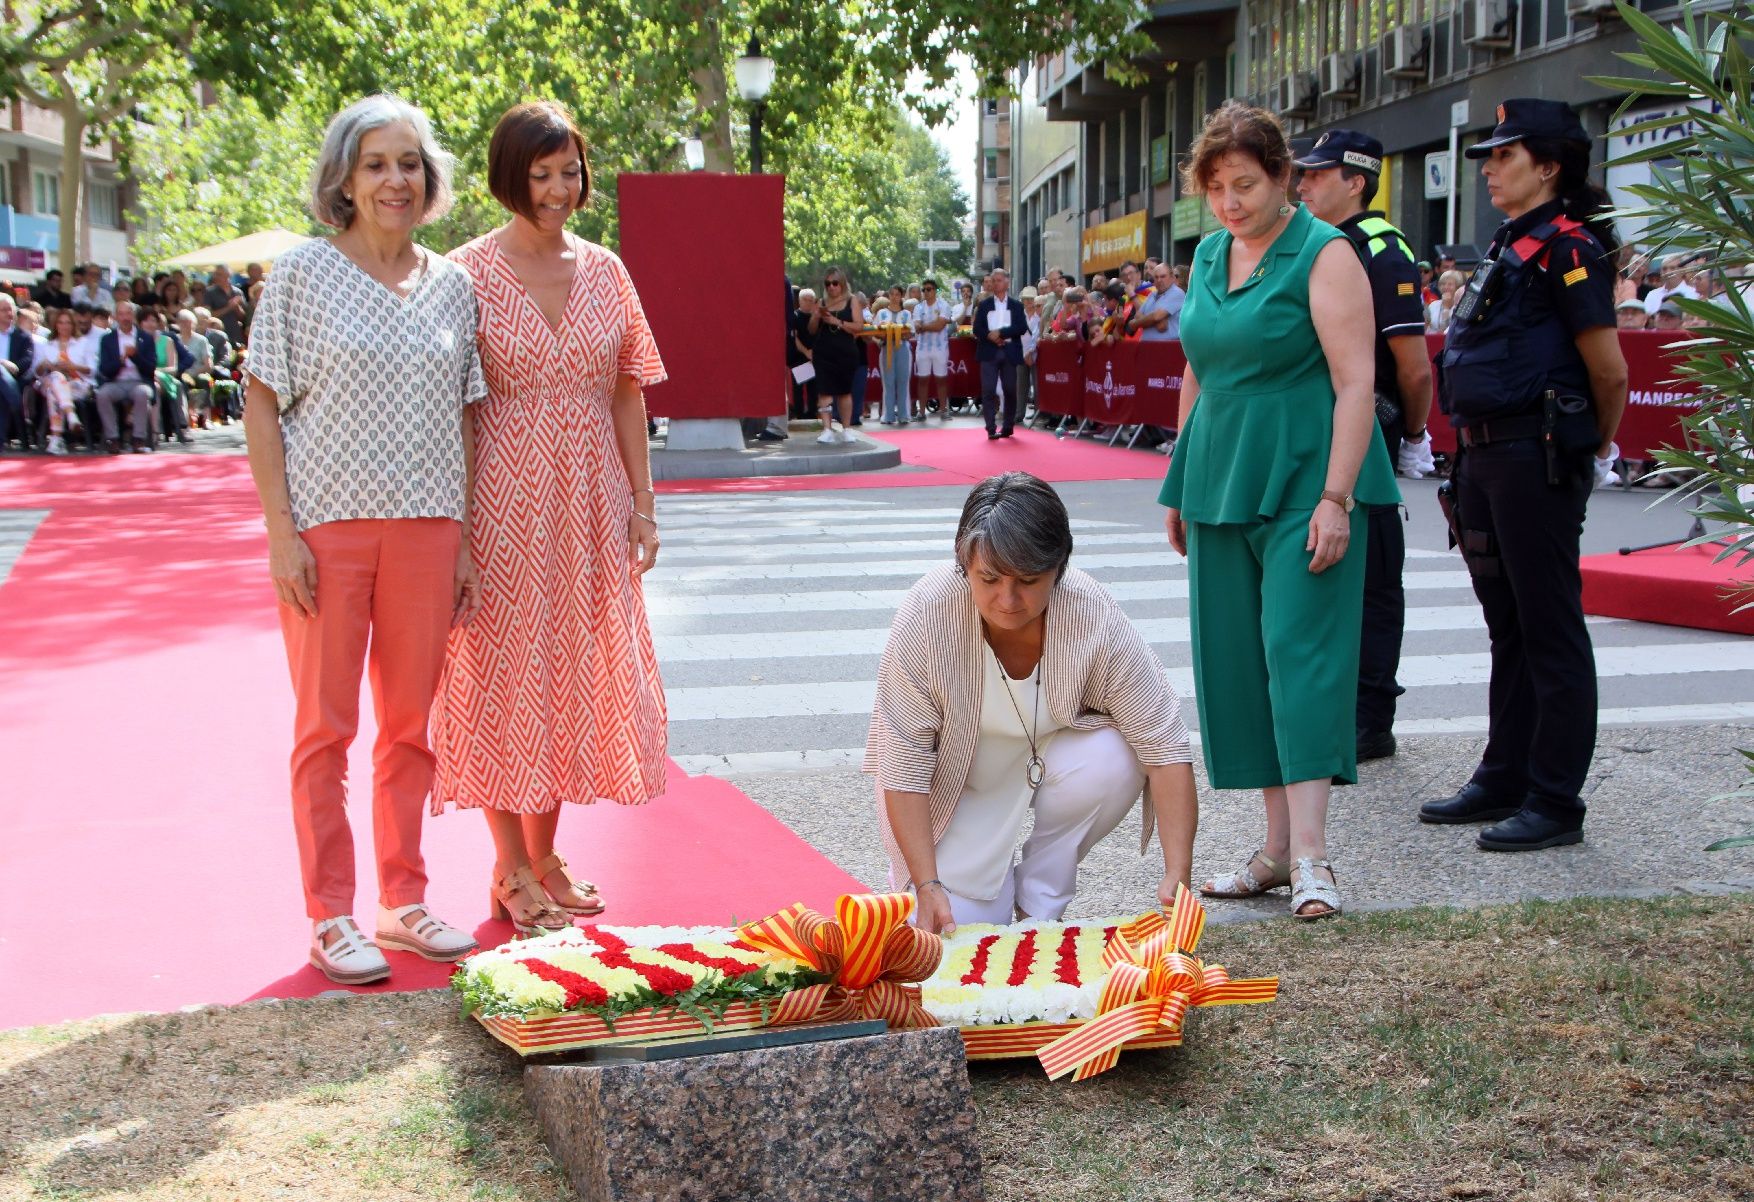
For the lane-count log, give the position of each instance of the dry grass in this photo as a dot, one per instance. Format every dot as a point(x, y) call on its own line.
point(1554, 1052)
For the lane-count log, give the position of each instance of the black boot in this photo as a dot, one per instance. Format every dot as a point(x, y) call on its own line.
point(1471, 804)
point(1375, 745)
point(1530, 830)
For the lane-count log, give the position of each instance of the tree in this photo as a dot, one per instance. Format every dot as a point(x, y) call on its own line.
point(223, 171)
point(88, 61)
point(1704, 209)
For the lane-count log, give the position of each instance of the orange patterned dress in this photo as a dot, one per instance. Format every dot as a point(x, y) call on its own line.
point(552, 693)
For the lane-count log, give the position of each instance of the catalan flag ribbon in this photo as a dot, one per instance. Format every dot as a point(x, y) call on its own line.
point(889, 334)
point(1154, 980)
point(874, 958)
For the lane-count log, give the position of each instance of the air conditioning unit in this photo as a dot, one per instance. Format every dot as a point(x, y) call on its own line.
point(1590, 10)
point(1404, 51)
point(1489, 23)
point(1295, 95)
point(1339, 76)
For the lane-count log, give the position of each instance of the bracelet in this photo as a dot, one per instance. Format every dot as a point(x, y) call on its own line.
point(638, 491)
point(647, 517)
point(933, 881)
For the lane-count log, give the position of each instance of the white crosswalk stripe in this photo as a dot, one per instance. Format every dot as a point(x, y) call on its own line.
point(769, 646)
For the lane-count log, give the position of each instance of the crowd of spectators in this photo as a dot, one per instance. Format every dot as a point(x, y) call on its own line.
point(161, 353)
point(912, 326)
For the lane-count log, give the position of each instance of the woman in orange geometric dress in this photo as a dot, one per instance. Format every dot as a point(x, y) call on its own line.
point(552, 693)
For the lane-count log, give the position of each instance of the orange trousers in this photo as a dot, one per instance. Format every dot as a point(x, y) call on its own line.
point(384, 588)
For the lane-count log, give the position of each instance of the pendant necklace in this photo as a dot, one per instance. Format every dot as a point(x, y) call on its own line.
point(1035, 770)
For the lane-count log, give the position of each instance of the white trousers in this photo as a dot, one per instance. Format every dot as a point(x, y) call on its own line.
point(1092, 780)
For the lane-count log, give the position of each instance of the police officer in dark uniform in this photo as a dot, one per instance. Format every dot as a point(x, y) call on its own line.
point(1533, 380)
point(1339, 180)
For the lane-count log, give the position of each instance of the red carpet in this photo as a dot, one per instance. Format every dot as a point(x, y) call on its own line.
point(148, 860)
point(1675, 586)
point(960, 455)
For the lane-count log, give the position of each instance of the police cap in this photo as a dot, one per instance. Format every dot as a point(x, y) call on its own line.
point(1526, 118)
point(1343, 148)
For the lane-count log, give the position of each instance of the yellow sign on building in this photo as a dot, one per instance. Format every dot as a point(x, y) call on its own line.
point(1112, 243)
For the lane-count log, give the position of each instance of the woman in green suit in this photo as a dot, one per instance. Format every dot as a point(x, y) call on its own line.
point(1264, 492)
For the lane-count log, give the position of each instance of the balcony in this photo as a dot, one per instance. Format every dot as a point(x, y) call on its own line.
point(29, 230)
point(1184, 30)
point(45, 126)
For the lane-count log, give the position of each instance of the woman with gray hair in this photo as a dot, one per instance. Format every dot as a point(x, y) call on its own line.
point(362, 360)
point(1013, 682)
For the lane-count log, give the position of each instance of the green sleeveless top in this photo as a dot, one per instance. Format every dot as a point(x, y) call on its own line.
point(1258, 440)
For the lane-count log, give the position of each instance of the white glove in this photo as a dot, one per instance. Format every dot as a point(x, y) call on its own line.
point(1414, 460)
point(1605, 474)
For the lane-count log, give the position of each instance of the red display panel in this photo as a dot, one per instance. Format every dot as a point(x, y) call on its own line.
point(680, 235)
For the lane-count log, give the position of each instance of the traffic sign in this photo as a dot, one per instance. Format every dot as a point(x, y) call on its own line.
point(931, 245)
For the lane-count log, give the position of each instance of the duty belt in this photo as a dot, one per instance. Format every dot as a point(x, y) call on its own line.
point(1508, 429)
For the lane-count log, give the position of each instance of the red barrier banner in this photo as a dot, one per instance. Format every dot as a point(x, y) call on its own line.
point(1059, 377)
point(1655, 403)
point(1111, 386)
point(963, 372)
point(1161, 364)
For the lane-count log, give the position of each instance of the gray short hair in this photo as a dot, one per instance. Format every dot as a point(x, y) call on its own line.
point(340, 155)
point(1018, 524)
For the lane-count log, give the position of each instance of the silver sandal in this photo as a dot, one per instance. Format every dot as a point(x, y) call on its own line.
point(1243, 882)
point(352, 959)
point(1307, 887)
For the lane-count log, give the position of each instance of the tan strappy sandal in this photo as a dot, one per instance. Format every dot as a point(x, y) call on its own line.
point(518, 898)
point(1244, 883)
point(552, 863)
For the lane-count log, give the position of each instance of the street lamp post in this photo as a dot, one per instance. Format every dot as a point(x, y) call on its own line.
point(754, 81)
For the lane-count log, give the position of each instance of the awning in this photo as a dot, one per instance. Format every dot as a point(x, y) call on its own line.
point(262, 247)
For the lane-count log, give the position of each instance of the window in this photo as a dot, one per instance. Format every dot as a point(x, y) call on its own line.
point(992, 108)
point(45, 193)
point(5, 183)
point(992, 164)
point(106, 207)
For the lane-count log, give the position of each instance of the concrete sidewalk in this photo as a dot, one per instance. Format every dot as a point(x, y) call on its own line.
point(1649, 823)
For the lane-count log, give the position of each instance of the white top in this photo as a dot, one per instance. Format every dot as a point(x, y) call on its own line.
point(127, 342)
point(933, 340)
point(1031, 331)
point(977, 847)
point(1656, 296)
point(81, 352)
point(89, 294)
point(371, 385)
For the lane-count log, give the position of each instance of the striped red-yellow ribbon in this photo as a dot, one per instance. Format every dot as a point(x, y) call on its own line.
point(891, 335)
point(1154, 980)
point(875, 959)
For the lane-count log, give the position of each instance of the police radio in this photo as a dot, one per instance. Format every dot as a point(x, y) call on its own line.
point(1476, 295)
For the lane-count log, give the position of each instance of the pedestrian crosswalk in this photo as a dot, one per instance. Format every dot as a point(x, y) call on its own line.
point(770, 613)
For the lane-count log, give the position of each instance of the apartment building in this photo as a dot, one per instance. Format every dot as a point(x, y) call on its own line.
point(30, 199)
point(1423, 76)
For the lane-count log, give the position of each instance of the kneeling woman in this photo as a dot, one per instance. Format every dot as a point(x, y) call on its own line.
point(1012, 683)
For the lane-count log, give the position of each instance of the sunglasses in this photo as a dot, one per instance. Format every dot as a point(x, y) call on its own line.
point(834, 283)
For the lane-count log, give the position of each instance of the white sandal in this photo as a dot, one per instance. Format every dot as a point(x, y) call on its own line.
point(415, 929)
point(1307, 887)
point(1243, 882)
point(352, 959)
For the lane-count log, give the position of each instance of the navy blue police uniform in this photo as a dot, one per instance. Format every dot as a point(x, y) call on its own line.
point(1517, 391)
point(1398, 311)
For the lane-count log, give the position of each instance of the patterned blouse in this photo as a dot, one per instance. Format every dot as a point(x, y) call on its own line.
point(371, 385)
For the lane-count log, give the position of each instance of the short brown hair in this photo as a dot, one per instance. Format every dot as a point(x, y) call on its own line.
point(1236, 128)
point(528, 132)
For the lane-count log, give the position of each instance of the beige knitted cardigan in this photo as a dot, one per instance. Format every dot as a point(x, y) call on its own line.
point(1096, 671)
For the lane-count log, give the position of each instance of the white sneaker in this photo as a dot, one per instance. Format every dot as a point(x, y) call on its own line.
point(827, 435)
point(849, 435)
point(416, 929)
point(352, 959)
point(57, 445)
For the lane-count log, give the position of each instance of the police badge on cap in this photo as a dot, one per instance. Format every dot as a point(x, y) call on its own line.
point(1343, 148)
point(1519, 119)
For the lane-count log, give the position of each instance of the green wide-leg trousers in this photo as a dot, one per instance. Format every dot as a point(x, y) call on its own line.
point(1275, 651)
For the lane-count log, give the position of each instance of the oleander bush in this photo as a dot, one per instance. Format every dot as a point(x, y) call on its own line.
point(1703, 208)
